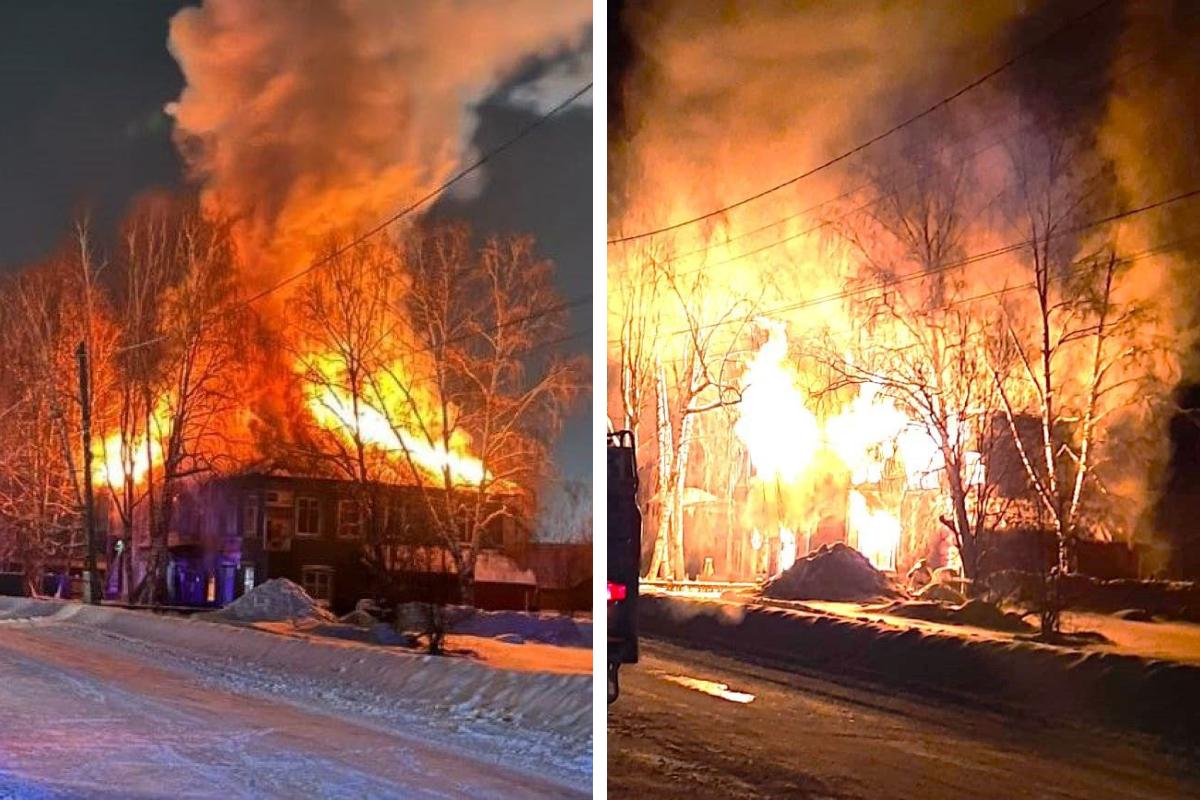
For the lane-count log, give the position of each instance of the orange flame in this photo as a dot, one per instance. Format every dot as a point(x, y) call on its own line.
point(776, 426)
point(334, 409)
point(109, 465)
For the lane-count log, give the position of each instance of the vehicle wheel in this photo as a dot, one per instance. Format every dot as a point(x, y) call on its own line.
point(614, 684)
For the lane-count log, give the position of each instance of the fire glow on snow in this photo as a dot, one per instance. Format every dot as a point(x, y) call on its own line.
point(712, 688)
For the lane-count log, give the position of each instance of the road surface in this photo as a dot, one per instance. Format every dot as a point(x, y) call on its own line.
point(82, 718)
point(805, 737)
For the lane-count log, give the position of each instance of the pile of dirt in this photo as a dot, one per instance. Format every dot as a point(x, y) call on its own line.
point(833, 572)
point(977, 613)
point(277, 600)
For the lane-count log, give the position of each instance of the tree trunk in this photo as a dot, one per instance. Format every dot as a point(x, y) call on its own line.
point(466, 586)
point(153, 588)
point(660, 562)
point(678, 560)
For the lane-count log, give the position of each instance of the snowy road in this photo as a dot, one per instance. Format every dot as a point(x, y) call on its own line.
point(804, 737)
point(82, 717)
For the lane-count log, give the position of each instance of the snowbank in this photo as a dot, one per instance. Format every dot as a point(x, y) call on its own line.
point(977, 613)
point(832, 572)
point(554, 629)
point(1178, 600)
point(941, 593)
point(275, 600)
point(526, 626)
point(1127, 690)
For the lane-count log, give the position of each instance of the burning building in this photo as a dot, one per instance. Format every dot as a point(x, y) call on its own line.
point(230, 534)
point(848, 301)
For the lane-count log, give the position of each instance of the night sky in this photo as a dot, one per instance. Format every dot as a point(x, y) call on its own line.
point(82, 87)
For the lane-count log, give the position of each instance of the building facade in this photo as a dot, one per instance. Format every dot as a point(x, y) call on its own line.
point(230, 534)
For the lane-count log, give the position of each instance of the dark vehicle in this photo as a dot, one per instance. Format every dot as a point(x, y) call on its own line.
point(624, 556)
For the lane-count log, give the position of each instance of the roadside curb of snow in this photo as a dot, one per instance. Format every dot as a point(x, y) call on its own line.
point(555, 703)
point(1152, 695)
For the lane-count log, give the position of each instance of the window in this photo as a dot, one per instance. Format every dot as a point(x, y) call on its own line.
point(277, 534)
point(308, 516)
point(318, 582)
point(250, 517)
point(349, 519)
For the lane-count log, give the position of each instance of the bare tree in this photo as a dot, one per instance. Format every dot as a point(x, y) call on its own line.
point(1083, 352)
point(430, 363)
point(922, 341)
point(695, 382)
point(479, 375)
point(345, 334)
point(46, 311)
point(143, 273)
point(201, 329)
point(633, 298)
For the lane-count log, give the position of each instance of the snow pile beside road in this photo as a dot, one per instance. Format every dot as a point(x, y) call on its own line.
point(1175, 600)
point(515, 626)
point(276, 600)
point(1122, 689)
point(833, 572)
point(555, 629)
point(977, 613)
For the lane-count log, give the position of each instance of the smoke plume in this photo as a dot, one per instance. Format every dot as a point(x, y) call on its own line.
point(302, 118)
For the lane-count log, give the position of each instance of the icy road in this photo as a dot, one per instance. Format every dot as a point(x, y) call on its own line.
point(694, 725)
point(89, 715)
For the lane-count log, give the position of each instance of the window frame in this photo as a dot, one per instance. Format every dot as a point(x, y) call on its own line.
point(252, 514)
point(316, 503)
point(344, 503)
point(318, 571)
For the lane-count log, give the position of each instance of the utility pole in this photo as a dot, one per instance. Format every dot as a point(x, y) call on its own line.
point(91, 587)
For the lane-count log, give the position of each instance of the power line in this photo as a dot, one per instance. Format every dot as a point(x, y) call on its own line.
point(923, 273)
point(877, 138)
point(532, 315)
point(1149, 252)
point(403, 212)
point(413, 206)
point(1032, 123)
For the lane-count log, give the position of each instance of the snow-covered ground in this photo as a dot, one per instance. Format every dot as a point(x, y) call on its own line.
point(779, 733)
point(110, 703)
point(1116, 684)
point(1162, 639)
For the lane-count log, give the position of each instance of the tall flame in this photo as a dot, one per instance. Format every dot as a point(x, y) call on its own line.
point(776, 426)
point(335, 409)
point(109, 465)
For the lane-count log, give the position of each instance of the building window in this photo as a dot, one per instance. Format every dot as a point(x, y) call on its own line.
point(277, 535)
point(308, 516)
point(250, 517)
point(318, 582)
point(349, 519)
